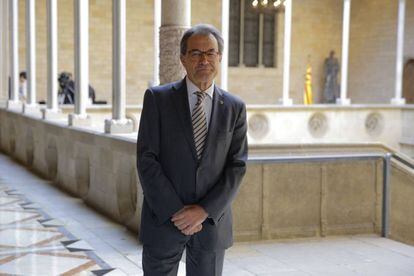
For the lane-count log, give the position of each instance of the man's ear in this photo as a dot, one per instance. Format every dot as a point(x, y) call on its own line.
point(182, 59)
point(220, 57)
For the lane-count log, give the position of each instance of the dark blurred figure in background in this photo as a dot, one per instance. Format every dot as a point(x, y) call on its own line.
point(67, 89)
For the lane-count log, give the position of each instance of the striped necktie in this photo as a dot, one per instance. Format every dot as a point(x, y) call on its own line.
point(199, 121)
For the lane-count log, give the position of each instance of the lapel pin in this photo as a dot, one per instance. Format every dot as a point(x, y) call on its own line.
point(221, 102)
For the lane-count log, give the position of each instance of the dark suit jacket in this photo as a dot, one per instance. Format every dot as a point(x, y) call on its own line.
point(171, 175)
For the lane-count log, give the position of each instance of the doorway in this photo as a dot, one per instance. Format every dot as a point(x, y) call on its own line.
point(408, 82)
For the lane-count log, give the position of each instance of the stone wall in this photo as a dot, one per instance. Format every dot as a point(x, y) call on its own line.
point(279, 200)
point(372, 55)
point(372, 58)
point(402, 205)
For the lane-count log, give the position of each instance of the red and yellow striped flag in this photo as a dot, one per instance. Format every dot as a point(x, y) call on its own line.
point(307, 95)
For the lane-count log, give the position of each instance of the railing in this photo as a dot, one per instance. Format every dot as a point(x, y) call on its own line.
point(386, 158)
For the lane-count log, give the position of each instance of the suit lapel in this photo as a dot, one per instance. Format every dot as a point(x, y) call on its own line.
point(217, 116)
point(180, 99)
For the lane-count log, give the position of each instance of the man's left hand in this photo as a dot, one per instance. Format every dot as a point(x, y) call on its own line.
point(189, 218)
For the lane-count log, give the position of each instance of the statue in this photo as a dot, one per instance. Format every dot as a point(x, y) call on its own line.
point(331, 90)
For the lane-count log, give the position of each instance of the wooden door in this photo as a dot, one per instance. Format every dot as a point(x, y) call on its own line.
point(408, 82)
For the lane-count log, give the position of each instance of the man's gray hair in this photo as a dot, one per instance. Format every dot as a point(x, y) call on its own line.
point(201, 29)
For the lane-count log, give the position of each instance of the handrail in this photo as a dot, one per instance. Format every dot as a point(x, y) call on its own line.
point(386, 158)
point(403, 160)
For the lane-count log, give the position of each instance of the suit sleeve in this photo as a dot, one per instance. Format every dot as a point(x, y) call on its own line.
point(158, 190)
point(219, 198)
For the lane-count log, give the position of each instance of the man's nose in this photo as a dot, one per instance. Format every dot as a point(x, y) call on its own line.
point(203, 58)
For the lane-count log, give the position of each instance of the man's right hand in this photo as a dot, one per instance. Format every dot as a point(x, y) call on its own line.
point(192, 231)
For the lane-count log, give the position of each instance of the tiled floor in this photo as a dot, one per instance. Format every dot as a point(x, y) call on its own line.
point(44, 231)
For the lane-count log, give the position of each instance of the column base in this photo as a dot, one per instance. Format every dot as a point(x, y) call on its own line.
point(398, 101)
point(341, 101)
point(3, 103)
point(31, 109)
point(119, 126)
point(82, 120)
point(14, 105)
point(286, 101)
point(52, 114)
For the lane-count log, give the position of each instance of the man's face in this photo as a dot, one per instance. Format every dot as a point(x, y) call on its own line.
point(202, 60)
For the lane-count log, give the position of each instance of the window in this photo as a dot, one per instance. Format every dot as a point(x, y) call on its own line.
point(251, 35)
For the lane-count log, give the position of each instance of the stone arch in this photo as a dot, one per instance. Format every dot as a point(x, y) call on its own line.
point(29, 147)
point(408, 82)
point(51, 156)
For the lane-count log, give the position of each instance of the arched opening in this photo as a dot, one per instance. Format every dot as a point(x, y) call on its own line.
point(408, 82)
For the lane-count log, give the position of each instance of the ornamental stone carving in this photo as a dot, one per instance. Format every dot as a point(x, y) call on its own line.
point(258, 126)
point(374, 124)
point(170, 64)
point(318, 125)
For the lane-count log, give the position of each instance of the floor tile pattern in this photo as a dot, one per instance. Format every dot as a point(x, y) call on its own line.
point(32, 243)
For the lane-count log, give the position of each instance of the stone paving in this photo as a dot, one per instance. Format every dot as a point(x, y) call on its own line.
point(44, 231)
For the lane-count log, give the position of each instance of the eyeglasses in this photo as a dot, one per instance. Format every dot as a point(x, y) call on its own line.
point(196, 55)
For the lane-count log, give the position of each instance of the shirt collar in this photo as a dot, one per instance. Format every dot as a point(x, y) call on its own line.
point(192, 88)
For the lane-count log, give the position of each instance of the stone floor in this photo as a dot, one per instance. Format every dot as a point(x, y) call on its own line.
point(44, 231)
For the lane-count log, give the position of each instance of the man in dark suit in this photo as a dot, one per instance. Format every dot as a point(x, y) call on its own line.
point(192, 151)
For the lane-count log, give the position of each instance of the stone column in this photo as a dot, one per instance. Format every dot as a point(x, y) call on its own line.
point(81, 12)
point(4, 74)
point(13, 102)
point(51, 110)
point(118, 123)
point(175, 20)
point(241, 42)
point(30, 106)
point(398, 99)
point(157, 25)
point(343, 100)
point(225, 16)
point(261, 37)
point(286, 58)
